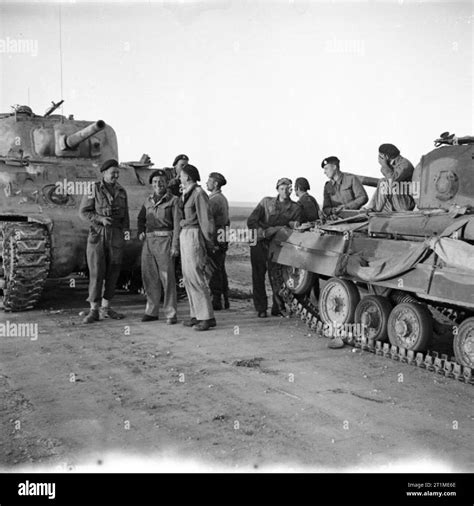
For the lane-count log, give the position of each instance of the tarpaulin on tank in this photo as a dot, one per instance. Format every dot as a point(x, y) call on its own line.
point(379, 269)
point(453, 253)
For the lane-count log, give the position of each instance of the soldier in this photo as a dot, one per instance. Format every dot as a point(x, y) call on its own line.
point(393, 192)
point(220, 212)
point(342, 191)
point(107, 212)
point(174, 184)
point(308, 202)
point(196, 240)
point(267, 218)
point(158, 226)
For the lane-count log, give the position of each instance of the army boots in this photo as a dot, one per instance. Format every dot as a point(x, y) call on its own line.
point(92, 316)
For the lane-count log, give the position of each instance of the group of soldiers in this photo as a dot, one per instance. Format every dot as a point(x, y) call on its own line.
point(179, 225)
point(179, 220)
point(343, 191)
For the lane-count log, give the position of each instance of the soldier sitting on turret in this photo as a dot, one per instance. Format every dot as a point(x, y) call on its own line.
point(393, 191)
point(342, 191)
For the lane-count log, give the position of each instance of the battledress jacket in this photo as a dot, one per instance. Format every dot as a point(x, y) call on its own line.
point(197, 213)
point(159, 215)
point(102, 203)
point(271, 212)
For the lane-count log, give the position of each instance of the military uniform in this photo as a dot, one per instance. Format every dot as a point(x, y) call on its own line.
point(196, 238)
point(384, 199)
point(159, 219)
point(220, 212)
point(270, 212)
point(105, 244)
point(310, 207)
point(347, 191)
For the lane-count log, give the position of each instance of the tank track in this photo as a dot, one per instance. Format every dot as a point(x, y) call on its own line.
point(433, 361)
point(26, 253)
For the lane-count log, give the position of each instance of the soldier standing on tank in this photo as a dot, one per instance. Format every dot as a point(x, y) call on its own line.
point(159, 227)
point(196, 241)
point(308, 203)
point(267, 218)
point(106, 209)
point(342, 191)
point(390, 196)
point(220, 212)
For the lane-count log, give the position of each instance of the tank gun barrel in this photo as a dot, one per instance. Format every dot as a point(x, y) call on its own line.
point(368, 180)
point(72, 141)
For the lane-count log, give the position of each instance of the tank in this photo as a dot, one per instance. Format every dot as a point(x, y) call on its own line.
point(47, 163)
point(395, 282)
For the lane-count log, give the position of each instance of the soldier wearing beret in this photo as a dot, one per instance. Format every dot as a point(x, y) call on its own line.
point(196, 240)
point(220, 212)
point(267, 218)
point(174, 183)
point(106, 210)
point(342, 191)
point(158, 227)
point(388, 197)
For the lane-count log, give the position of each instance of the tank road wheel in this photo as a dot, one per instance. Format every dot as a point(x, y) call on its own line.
point(298, 281)
point(464, 343)
point(26, 261)
point(410, 326)
point(338, 301)
point(373, 312)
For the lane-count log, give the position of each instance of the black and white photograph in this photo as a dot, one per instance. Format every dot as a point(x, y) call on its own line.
point(237, 237)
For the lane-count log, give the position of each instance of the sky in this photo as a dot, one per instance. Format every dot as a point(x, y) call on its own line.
point(257, 90)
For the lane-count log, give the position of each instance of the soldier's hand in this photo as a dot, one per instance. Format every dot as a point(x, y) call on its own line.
point(105, 221)
point(174, 252)
point(142, 236)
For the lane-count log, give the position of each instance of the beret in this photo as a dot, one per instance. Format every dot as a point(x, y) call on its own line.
point(219, 178)
point(109, 163)
point(389, 150)
point(157, 172)
point(330, 159)
point(192, 172)
point(283, 180)
point(302, 183)
point(180, 157)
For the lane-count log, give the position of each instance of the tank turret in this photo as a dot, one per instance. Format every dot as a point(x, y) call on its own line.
point(72, 141)
point(48, 163)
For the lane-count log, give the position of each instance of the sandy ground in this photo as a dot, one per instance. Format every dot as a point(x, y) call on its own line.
point(249, 394)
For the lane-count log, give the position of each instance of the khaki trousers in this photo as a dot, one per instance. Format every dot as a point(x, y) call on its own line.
point(196, 282)
point(158, 273)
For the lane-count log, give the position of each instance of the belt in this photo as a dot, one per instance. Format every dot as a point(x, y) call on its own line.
point(159, 233)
